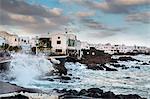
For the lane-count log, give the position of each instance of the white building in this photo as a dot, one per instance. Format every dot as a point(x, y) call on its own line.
point(111, 49)
point(9, 38)
point(14, 40)
point(63, 43)
point(2, 41)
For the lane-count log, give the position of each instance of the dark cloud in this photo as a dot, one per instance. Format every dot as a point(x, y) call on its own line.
point(31, 18)
point(95, 25)
point(23, 8)
point(91, 23)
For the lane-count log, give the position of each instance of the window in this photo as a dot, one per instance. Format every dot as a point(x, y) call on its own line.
point(58, 42)
point(71, 42)
point(88, 53)
point(15, 39)
point(58, 37)
point(19, 39)
point(58, 50)
point(93, 53)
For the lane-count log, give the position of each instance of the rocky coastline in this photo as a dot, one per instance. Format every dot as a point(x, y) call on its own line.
point(64, 77)
point(94, 93)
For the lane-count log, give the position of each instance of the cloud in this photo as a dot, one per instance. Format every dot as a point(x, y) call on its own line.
point(143, 17)
point(113, 6)
point(102, 34)
point(23, 8)
point(85, 14)
point(31, 18)
point(91, 23)
point(123, 6)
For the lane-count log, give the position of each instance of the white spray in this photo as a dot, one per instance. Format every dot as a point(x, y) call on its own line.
point(27, 68)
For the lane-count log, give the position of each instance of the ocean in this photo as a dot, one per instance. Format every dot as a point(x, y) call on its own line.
point(30, 71)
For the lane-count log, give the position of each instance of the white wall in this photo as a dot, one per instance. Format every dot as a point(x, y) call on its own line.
point(63, 45)
point(1, 41)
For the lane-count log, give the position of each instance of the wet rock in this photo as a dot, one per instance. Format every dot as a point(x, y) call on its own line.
point(72, 92)
point(137, 67)
point(76, 78)
point(93, 93)
point(145, 64)
point(19, 96)
point(83, 92)
point(70, 74)
point(50, 79)
point(130, 96)
point(63, 78)
point(117, 65)
point(114, 61)
point(61, 68)
point(127, 59)
point(125, 67)
point(95, 90)
point(100, 67)
point(108, 95)
point(127, 77)
point(94, 67)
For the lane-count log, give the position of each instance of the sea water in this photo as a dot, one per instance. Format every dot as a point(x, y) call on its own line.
point(27, 69)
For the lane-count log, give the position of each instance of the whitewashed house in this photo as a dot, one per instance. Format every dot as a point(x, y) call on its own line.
point(63, 43)
point(2, 41)
point(9, 38)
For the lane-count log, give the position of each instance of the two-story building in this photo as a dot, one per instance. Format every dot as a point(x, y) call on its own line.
point(63, 43)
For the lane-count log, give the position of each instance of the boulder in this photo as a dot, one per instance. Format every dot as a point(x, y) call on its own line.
point(117, 65)
point(127, 59)
point(130, 96)
point(94, 67)
point(137, 67)
point(109, 95)
point(61, 68)
point(83, 92)
point(65, 78)
point(95, 90)
point(145, 64)
point(125, 67)
point(114, 61)
point(72, 92)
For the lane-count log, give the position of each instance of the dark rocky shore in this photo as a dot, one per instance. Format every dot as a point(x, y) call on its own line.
point(6, 87)
point(92, 93)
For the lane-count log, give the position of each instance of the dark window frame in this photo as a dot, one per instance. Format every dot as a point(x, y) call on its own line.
point(58, 42)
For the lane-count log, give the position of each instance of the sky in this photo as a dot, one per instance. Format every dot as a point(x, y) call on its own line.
point(95, 21)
